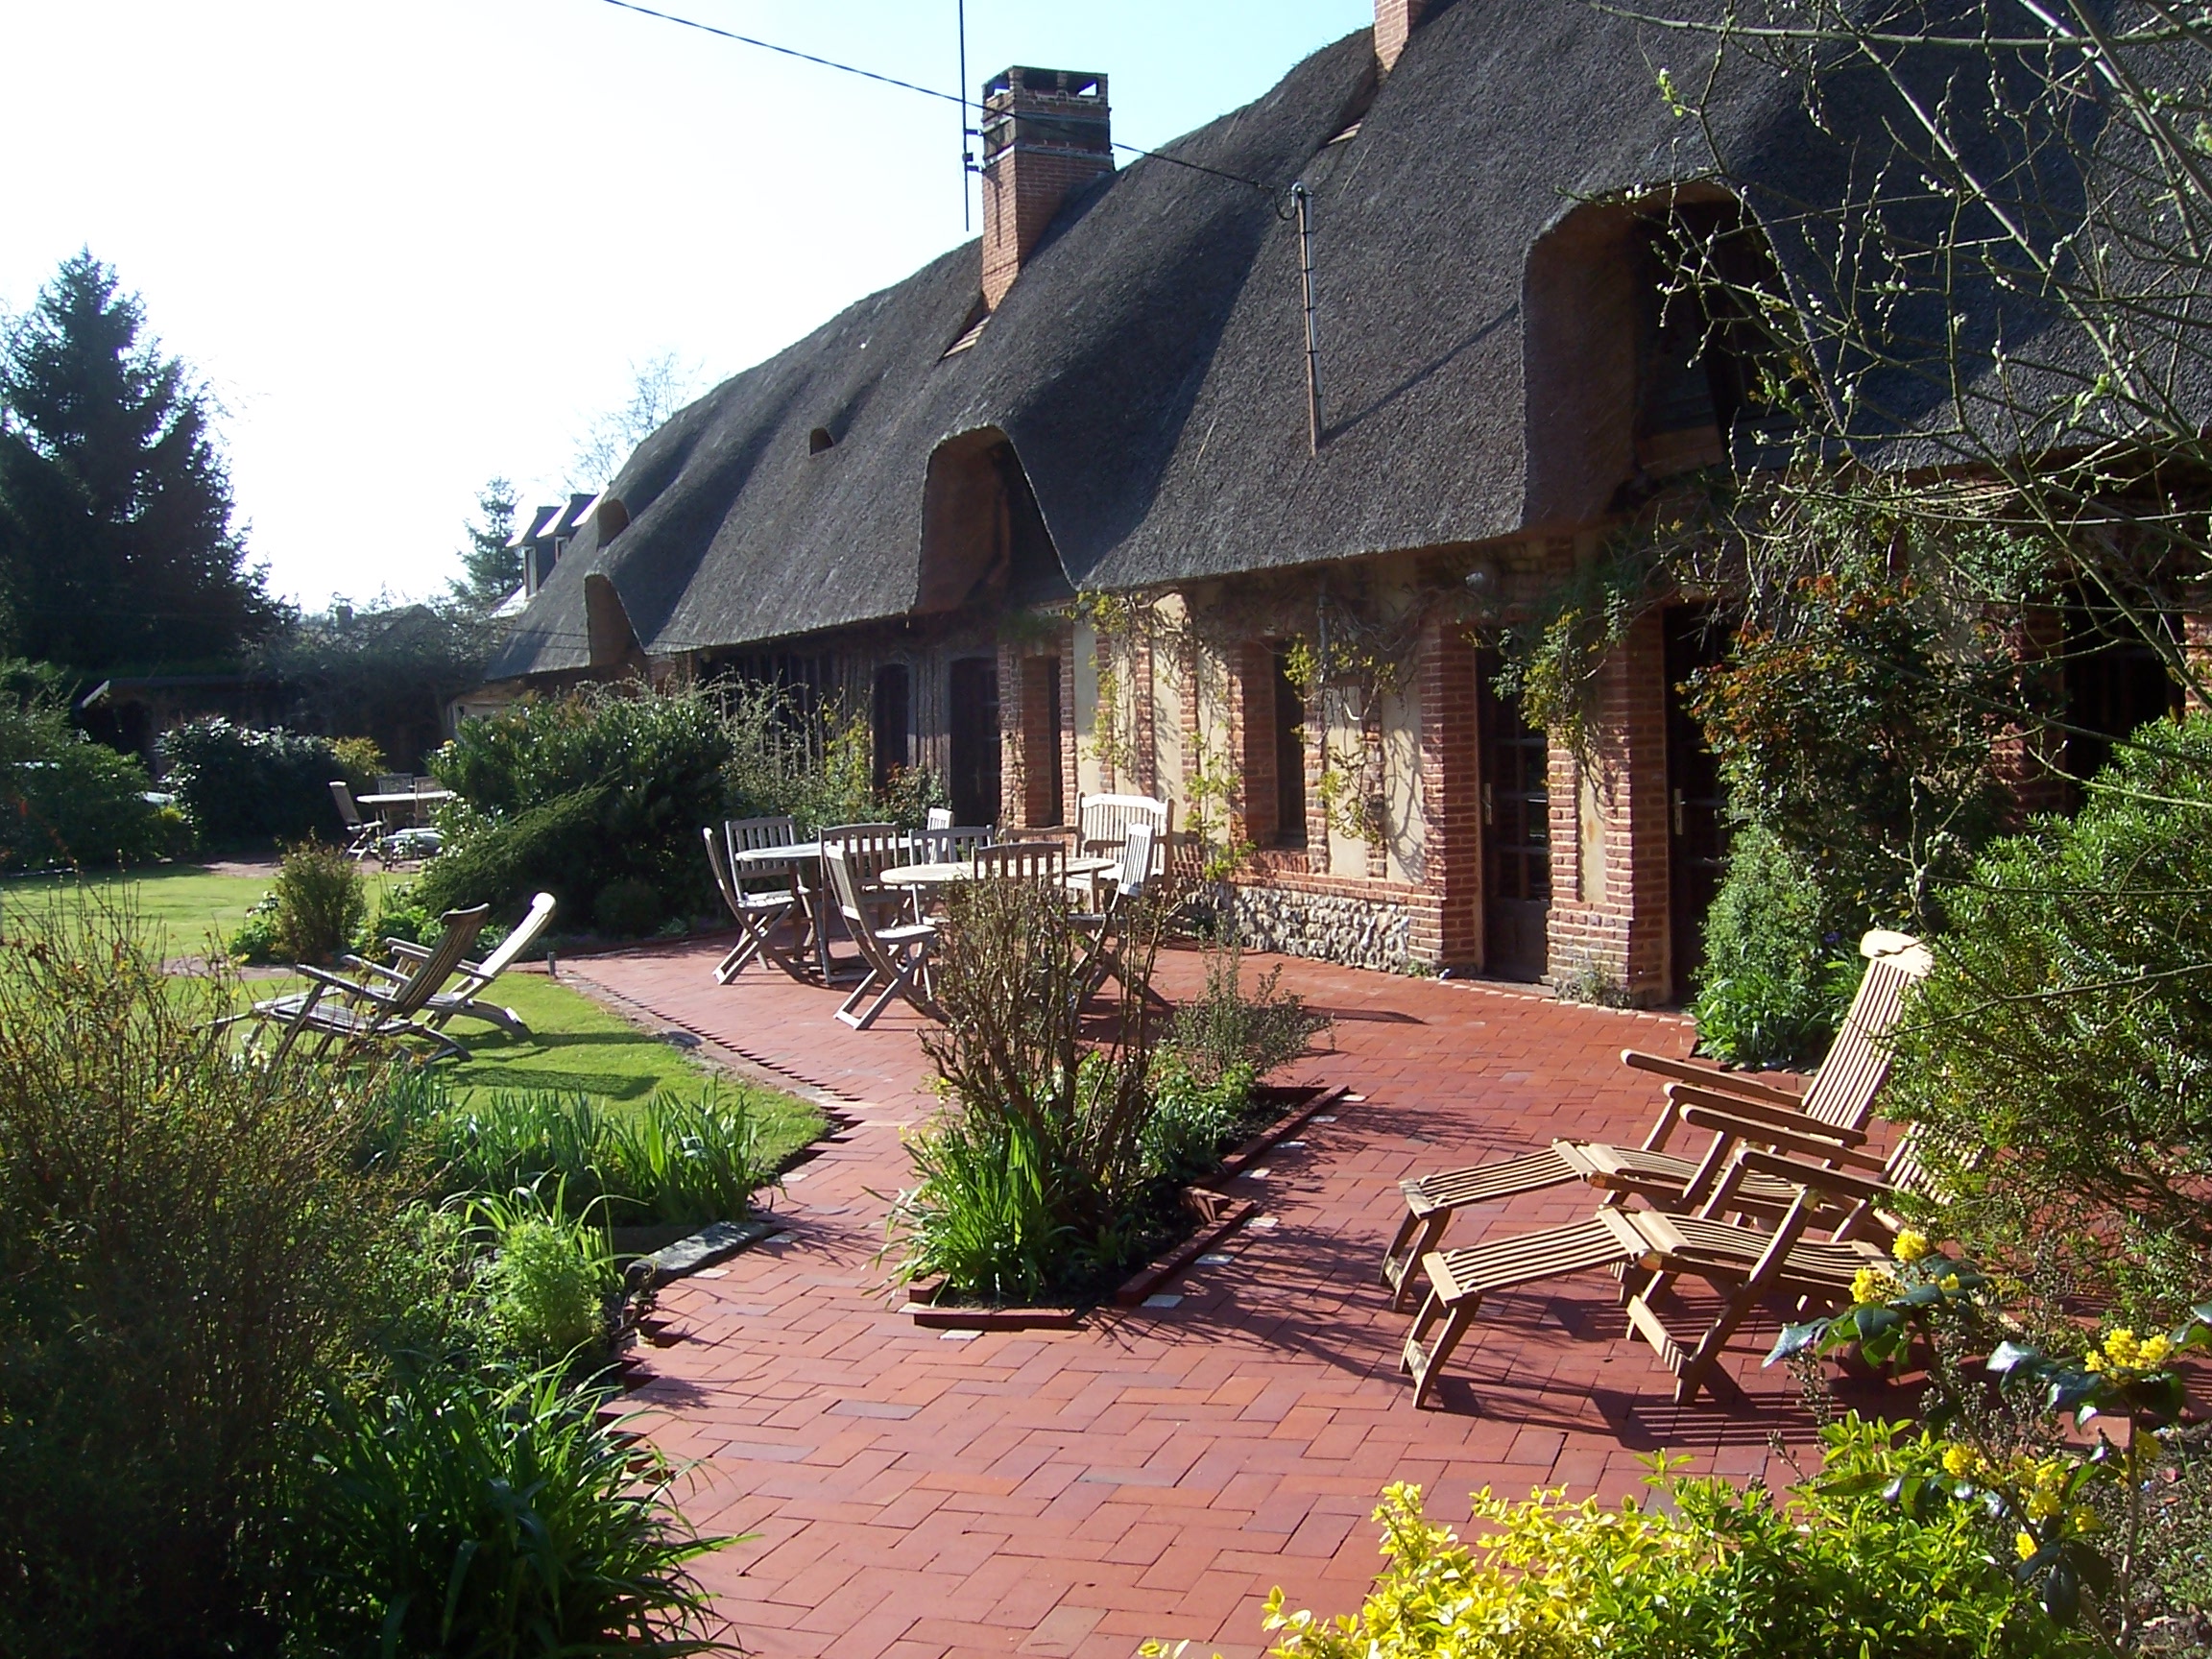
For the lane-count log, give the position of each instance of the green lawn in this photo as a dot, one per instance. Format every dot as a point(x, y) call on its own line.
point(575, 1045)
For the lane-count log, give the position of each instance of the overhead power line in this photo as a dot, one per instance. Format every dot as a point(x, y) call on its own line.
point(960, 98)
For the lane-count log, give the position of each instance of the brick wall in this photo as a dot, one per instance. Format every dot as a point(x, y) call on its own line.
point(1394, 21)
point(1613, 922)
point(1450, 928)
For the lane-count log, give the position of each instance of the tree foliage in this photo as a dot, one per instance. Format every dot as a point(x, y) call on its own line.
point(2058, 1051)
point(116, 544)
point(490, 567)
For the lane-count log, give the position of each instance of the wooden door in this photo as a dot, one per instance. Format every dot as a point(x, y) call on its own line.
point(974, 762)
point(1516, 831)
point(1696, 806)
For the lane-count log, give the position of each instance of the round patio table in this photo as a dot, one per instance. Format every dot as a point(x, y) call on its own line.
point(929, 877)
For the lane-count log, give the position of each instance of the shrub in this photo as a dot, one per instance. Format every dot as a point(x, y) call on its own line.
point(360, 762)
point(1777, 979)
point(553, 848)
point(629, 776)
point(545, 1289)
point(1192, 1121)
point(1708, 1573)
point(66, 800)
point(628, 908)
point(462, 1516)
point(1225, 1029)
point(1062, 1127)
point(683, 1161)
point(2058, 1051)
point(320, 902)
point(239, 784)
point(187, 1249)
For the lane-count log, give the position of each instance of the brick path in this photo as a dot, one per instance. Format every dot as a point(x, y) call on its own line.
point(1154, 1472)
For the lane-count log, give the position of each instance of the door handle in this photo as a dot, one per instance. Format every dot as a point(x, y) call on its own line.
point(1678, 803)
point(1489, 805)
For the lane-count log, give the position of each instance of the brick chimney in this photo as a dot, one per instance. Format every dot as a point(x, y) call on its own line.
point(1394, 20)
point(1046, 133)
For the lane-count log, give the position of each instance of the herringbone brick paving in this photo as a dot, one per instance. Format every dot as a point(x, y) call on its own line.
point(1157, 1471)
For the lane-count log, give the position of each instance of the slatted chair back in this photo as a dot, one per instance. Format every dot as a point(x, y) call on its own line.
point(437, 967)
point(395, 784)
point(1040, 862)
point(534, 920)
point(871, 849)
point(1857, 1064)
point(718, 861)
point(758, 835)
point(939, 818)
point(953, 843)
point(1103, 821)
point(1137, 861)
point(349, 812)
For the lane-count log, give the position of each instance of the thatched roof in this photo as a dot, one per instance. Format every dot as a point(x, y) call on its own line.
point(1147, 367)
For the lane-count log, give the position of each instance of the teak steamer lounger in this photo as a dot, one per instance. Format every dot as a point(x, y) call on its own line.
point(1835, 1106)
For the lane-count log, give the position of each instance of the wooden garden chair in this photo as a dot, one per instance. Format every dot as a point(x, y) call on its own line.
point(1100, 930)
point(1747, 1264)
point(465, 996)
point(361, 1012)
point(758, 912)
point(364, 836)
point(896, 957)
point(1044, 862)
point(1102, 824)
point(938, 818)
point(1835, 1106)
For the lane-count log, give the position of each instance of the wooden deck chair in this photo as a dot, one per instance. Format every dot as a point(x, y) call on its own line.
point(1747, 1264)
point(938, 818)
point(364, 836)
point(360, 1012)
point(953, 843)
point(1098, 928)
point(1836, 1104)
point(1040, 861)
point(1102, 824)
point(758, 911)
point(465, 998)
point(896, 958)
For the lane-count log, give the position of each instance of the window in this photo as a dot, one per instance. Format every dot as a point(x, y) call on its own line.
point(973, 740)
point(891, 721)
point(1289, 751)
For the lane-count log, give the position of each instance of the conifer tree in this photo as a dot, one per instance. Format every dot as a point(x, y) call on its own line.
point(118, 550)
point(491, 568)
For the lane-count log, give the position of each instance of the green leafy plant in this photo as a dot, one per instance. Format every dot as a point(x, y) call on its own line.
point(1193, 1119)
point(241, 784)
point(545, 1289)
point(2056, 1053)
point(1228, 1028)
point(320, 902)
point(65, 800)
point(360, 761)
point(2017, 1473)
point(988, 1216)
point(188, 1248)
point(627, 909)
point(466, 1516)
point(1708, 1571)
point(1776, 977)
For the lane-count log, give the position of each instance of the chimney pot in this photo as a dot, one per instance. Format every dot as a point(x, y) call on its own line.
point(1046, 133)
point(1394, 21)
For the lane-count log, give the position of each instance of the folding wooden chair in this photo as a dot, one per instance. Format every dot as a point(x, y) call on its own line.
point(1098, 928)
point(896, 958)
point(354, 1012)
point(364, 836)
point(1835, 1106)
point(1041, 862)
point(475, 978)
point(1102, 824)
point(953, 843)
point(938, 818)
point(758, 912)
point(1747, 1264)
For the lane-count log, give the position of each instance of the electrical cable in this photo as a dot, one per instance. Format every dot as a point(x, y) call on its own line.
point(960, 98)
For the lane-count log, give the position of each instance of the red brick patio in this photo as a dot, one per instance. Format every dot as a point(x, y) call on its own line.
point(1156, 1472)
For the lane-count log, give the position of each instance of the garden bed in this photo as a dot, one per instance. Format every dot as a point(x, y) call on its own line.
point(1213, 1216)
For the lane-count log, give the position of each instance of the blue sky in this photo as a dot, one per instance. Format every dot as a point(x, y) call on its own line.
point(415, 244)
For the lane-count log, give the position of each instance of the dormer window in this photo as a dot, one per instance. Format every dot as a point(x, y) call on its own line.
point(1697, 346)
point(820, 440)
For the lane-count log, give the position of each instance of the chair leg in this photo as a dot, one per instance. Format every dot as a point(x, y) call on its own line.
point(861, 1022)
point(1420, 1364)
point(1418, 1235)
